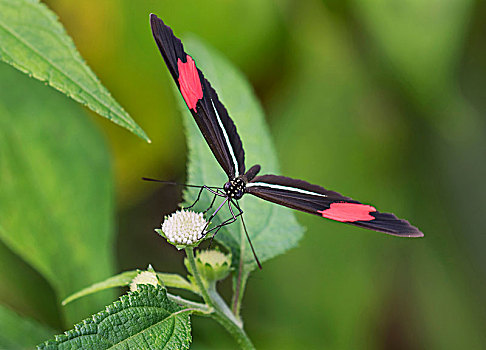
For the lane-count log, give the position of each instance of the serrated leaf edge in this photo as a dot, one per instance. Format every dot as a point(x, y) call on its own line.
point(118, 109)
point(112, 309)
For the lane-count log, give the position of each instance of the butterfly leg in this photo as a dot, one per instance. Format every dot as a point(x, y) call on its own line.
point(229, 221)
point(214, 214)
point(210, 205)
point(216, 194)
point(197, 199)
point(248, 236)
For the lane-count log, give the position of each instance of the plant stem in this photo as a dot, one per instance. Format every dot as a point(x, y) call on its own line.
point(237, 332)
point(239, 283)
point(222, 313)
point(238, 293)
point(218, 300)
point(202, 309)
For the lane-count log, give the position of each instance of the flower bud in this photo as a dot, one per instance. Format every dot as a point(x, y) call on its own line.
point(144, 277)
point(213, 265)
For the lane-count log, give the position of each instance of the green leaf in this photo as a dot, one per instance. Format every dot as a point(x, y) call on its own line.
point(56, 189)
point(33, 41)
point(120, 280)
point(144, 319)
point(25, 290)
point(273, 229)
point(20, 332)
point(170, 280)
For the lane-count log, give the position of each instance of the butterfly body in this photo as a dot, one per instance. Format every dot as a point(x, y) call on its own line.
point(235, 188)
point(220, 134)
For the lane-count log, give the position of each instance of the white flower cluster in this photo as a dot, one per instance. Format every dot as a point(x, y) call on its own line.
point(144, 277)
point(184, 227)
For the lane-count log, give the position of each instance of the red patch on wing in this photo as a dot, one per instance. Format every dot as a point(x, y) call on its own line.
point(189, 82)
point(348, 212)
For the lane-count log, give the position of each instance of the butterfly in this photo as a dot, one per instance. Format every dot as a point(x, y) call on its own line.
point(220, 133)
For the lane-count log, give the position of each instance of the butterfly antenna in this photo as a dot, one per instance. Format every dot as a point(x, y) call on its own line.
point(176, 183)
point(251, 245)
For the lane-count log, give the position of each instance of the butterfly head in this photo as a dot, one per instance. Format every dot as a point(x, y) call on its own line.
point(235, 188)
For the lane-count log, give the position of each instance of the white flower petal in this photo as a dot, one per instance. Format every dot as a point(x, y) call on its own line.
point(184, 227)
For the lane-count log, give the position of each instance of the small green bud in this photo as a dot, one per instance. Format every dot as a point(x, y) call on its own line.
point(213, 265)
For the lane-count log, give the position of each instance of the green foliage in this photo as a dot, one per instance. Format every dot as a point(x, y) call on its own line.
point(19, 332)
point(33, 41)
point(120, 280)
point(25, 291)
point(37, 155)
point(203, 275)
point(172, 280)
point(378, 99)
point(273, 229)
point(56, 193)
point(144, 319)
point(123, 279)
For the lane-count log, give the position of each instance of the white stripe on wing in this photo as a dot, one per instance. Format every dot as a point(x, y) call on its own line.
point(286, 188)
point(228, 143)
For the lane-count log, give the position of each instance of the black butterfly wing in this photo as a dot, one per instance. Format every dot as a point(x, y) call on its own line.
point(313, 199)
point(209, 113)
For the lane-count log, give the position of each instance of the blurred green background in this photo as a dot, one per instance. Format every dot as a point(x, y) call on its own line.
point(383, 100)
